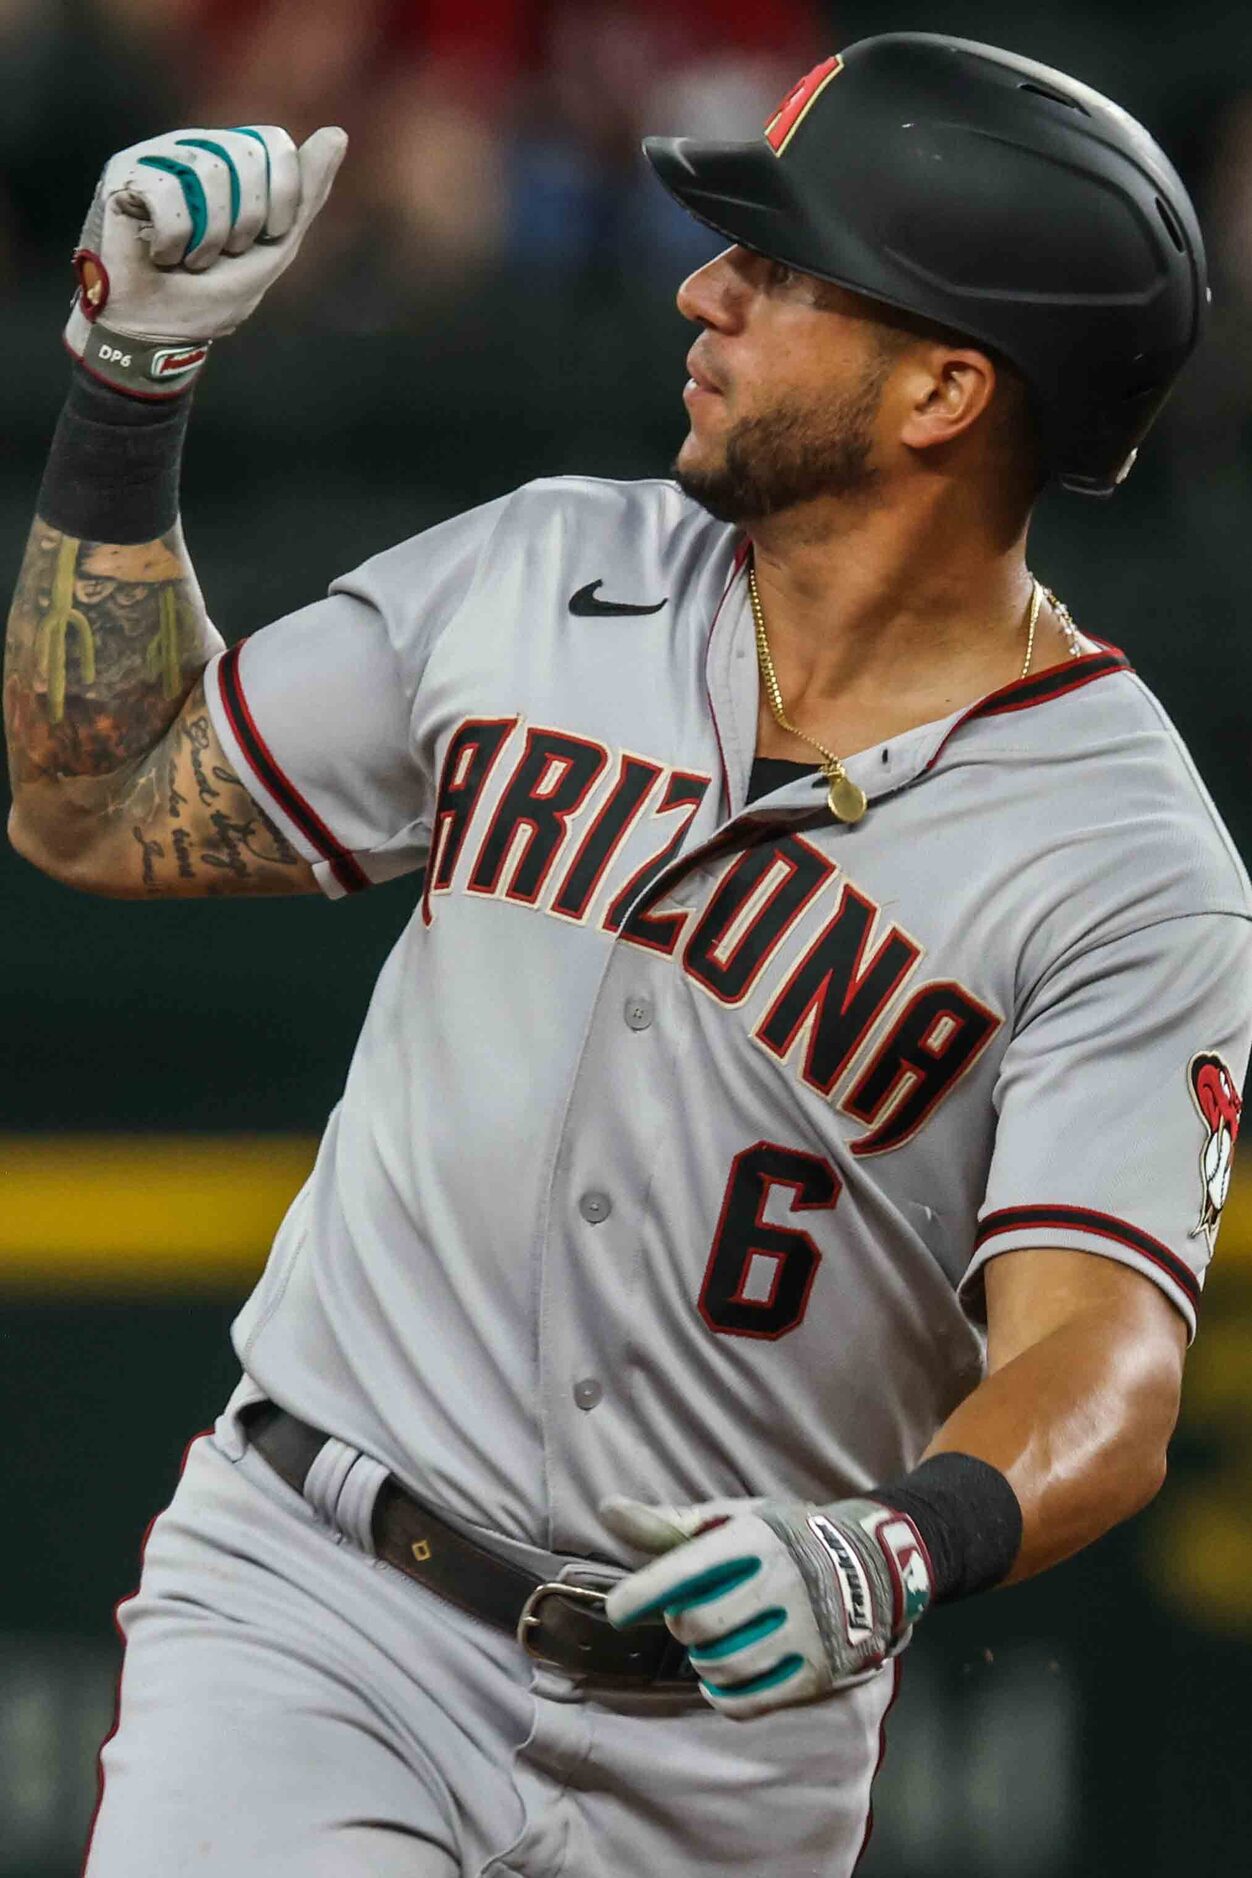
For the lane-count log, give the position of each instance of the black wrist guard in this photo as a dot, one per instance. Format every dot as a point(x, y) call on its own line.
point(113, 469)
point(969, 1519)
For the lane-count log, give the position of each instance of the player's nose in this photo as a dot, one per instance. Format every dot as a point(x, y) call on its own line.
point(710, 296)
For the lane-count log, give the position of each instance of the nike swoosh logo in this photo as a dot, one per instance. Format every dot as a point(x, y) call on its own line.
point(585, 605)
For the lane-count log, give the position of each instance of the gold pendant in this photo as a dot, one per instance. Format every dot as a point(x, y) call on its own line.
point(847, 802)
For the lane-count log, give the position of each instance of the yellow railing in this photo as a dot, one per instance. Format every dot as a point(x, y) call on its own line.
point(115, 1211)
point(110, 1212)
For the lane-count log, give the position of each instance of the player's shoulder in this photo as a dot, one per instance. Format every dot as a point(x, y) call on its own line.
point(658, 498)
point(641, 528)
point(1154, 802)
point(649, 515)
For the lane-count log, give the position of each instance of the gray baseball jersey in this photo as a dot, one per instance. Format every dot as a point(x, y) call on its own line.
point(681, 1128)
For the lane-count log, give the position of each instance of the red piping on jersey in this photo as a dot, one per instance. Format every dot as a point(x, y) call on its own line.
point(1104, 1226)
point(897, 1674)
point(117, 1690)
point(1024, 693)
point(345, 867)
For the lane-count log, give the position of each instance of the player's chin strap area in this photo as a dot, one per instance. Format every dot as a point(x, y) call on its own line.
point(559, 1622)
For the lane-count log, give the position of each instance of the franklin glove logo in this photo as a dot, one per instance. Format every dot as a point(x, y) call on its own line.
point(850, 1578)
point(173, 361)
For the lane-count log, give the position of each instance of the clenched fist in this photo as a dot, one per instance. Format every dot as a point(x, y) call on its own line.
point(778, 1603)
point(184, 235)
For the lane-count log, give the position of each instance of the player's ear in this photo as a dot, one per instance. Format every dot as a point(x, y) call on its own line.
point(945, 391)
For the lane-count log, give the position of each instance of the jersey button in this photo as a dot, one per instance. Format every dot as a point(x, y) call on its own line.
point(639, 1013)
point(594, 1207)
point(587, 1392)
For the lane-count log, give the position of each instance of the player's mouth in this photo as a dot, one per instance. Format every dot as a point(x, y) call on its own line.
point(699, 385)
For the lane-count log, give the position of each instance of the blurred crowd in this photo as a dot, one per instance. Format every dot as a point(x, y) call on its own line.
point(483, 132)
point(503, 135)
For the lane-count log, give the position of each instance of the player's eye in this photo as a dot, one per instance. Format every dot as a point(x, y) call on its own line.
point(780, 275)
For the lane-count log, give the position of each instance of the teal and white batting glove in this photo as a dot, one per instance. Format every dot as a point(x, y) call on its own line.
point(777, 1603)
point(184, 235)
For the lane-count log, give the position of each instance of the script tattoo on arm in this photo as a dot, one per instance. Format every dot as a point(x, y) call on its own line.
point(193, 828)
point(119, 782)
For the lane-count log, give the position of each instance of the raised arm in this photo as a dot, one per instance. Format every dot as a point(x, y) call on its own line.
point(120, 785)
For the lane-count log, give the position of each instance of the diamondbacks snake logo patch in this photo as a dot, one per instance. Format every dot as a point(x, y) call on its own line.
point(1220, 1105)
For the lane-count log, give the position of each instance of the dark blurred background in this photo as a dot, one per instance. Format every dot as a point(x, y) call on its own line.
point(489, 297)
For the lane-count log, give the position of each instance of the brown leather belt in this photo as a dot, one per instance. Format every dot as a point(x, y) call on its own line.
point(556, 1622)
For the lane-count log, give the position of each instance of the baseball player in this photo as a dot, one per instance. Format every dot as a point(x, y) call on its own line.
point(773, 1189)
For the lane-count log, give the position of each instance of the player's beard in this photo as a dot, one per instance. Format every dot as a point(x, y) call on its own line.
point(793, 454)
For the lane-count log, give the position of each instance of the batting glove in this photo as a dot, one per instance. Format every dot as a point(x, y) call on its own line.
point(777, 1603)
point(183, 237)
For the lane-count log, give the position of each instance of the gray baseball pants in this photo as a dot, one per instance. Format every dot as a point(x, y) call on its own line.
point(291, 1708)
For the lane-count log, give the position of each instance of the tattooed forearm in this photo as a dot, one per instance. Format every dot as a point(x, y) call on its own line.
point(104, 644)
point(119, 782)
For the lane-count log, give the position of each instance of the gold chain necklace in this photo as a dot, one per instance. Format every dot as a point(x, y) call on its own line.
point(846, 800)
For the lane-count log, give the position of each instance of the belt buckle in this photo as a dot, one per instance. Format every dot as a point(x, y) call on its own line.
point(530, 1618)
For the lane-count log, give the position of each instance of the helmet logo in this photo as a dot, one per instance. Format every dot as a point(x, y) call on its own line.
point(798, 102)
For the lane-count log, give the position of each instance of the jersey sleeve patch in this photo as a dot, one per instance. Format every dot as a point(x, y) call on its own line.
point(337, 869)
point(1219, 1106)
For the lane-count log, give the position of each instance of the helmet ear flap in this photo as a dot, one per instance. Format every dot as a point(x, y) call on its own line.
point(1081, 485)
point(1103, 451)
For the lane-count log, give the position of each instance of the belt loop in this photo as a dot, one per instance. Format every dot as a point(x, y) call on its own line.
point(341, 1486)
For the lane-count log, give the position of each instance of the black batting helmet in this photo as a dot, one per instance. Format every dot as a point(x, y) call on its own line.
point(993, 196)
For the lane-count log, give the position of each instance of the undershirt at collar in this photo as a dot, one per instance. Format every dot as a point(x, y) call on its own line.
point(774, 772)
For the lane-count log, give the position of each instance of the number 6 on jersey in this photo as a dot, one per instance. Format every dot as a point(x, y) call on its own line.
point(759, 1276)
